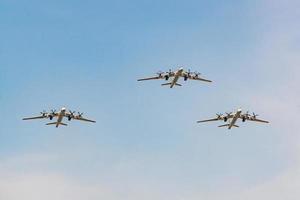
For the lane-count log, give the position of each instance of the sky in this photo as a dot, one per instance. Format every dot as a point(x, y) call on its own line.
point(146, 144)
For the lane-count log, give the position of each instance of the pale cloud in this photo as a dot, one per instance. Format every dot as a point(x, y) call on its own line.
point(285, 186)
point(31, 185)
point(48, 186)
point(26, 177)
point(279, 59)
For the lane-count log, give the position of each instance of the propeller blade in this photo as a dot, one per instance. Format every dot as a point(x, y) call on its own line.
point(255, 115)
point(159, 73)
point(43, 113)
point(219, 115)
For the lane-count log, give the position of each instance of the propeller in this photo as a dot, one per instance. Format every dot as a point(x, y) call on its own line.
point(254, 115)
point(247, 114)
point(53, 111)
point(80, 114)
point(170, 72)
point(219, 115)
point(72, 112)
point(43, 113)
point(189, 72)
point(197, 74)
point(159, 73)
point(228, 114)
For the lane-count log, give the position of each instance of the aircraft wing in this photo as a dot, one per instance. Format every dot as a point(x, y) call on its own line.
point(209, 120)
point(84, 119)
point(258, 120)
point(150, 78)
point(200, 79)
point(38, 117)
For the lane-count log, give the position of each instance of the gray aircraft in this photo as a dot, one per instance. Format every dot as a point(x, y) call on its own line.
point(70, 115)
point(175, 75)
point(232, 118)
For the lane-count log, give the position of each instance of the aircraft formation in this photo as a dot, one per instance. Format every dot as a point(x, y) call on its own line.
point(172, 78)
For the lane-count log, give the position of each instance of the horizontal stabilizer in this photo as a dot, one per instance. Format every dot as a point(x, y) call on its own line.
point(55, 123)
point(177, 84)
point(227, 125)
point(52, 123)
point(223, 125)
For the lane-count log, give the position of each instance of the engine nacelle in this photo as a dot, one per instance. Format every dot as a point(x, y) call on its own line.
point(166, 77)
point(225, 119)
point(50, 117)
point(69, 118)
point(244, 119)
point(186, 78)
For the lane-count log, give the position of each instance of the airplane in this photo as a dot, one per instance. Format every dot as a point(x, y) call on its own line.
point(233, 117)
point(176, 75)
point(60, 115)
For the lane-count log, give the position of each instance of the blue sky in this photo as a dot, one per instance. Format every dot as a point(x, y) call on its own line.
point(87, 55)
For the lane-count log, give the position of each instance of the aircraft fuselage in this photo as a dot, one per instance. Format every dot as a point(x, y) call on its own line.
point(178, 73)
point(235, 118)
point(60, 117)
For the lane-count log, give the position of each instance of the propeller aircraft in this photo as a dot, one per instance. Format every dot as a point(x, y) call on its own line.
point(232, 118)
point(180, 73)
point(60, 115)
